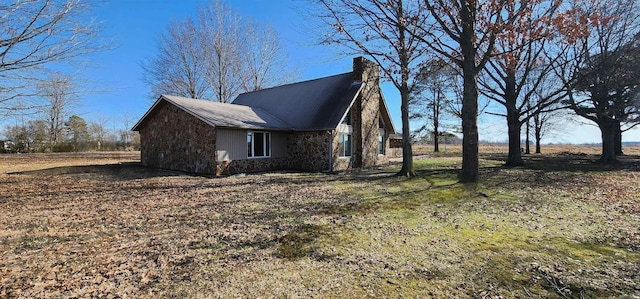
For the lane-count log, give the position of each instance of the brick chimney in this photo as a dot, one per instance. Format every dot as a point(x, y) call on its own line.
point(365, 70)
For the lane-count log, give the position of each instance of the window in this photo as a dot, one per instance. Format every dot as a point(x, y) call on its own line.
point(258, 144)
point(381, 145)
point(344, 145)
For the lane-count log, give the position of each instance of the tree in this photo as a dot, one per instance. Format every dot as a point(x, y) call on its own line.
point(127, 137)
point(37, 130)
point(264, 59)
point(59, 95)
point(35, 35)
point(98, 131)
point(602, 72)
point(20, 138)
point(28, 137)
point(215, 56)
point(436, 82)
point(543, 123)
point(179, 68)
point(386, 31)
point(464, 32)
point(78, 132)
point(221, 34)
point(516, 75)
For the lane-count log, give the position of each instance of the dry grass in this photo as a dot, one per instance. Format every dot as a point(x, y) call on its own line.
point(98, 225)
point(455, 150)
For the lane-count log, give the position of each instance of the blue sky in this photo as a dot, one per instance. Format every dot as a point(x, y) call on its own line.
point(134, 26)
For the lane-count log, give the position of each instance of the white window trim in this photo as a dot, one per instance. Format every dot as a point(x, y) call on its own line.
point(384, 143)
point(264, 145)
point(340, 156)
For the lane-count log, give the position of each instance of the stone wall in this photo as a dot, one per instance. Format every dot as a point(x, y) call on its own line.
point(367, 107)
point(252, 165)
point(171, 138)
point(309, 151)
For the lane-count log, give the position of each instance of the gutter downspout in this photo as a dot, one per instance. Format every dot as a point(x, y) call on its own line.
point(330, 151)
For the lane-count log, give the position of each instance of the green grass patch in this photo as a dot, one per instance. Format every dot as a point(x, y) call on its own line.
point(490, 239)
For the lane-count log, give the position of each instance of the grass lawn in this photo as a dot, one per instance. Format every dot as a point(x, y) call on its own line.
point(100, 225)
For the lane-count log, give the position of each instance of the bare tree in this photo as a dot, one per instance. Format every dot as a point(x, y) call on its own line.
point(98, 130)
point(216, 56)
point(433, 97)
point(36, 34)
point(179, 68)
point(59, 95)
point(386, 31)
point(516, 75)
point(221, 32)
point(264, 61)
point(602, 70)
point(126, 135)
point(464, 32)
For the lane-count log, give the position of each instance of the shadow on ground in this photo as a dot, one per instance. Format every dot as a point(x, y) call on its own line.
point(573, 162)
point(120, 171)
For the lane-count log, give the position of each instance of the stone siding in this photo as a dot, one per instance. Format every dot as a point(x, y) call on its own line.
point(309, 151)
point(369, 102)
point(252, 165)
point(173, 139)
point(366, 117)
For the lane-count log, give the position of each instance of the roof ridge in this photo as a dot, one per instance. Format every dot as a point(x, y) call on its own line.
point(294, 83)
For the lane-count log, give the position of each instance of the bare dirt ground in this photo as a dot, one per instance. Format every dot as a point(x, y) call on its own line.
point(100, 225)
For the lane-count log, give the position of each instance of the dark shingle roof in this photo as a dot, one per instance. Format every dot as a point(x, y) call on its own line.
point(310, 105)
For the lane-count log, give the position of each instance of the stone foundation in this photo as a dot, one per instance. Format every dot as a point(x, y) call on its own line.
point(252, 165)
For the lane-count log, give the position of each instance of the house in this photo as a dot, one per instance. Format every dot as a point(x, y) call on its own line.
point(334, 123)
point(6, 146)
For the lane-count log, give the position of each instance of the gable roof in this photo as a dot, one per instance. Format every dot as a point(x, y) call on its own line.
point(318, 104)
point(312, 105)
point(221, 114)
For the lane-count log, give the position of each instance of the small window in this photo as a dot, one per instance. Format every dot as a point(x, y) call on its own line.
point(344, 145)
point(258, 144)
point(381, 144)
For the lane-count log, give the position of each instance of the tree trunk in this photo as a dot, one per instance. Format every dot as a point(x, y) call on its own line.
point(608, 132)
point(618, 139)
point(513, 121)
point(436, 121)
point(527, 149)
point(470, 165)
point(436, 136)
point(538, 137)
point(407, 154)
point(515, 154)
point(537, 131)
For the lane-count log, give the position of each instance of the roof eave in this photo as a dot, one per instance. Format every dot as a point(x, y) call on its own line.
point(346, 111)
point(387, 112)
point(142, 119)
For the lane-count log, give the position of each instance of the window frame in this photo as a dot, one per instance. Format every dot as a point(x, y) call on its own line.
point(342, 150)
point(381, 145)
point(266, 144)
